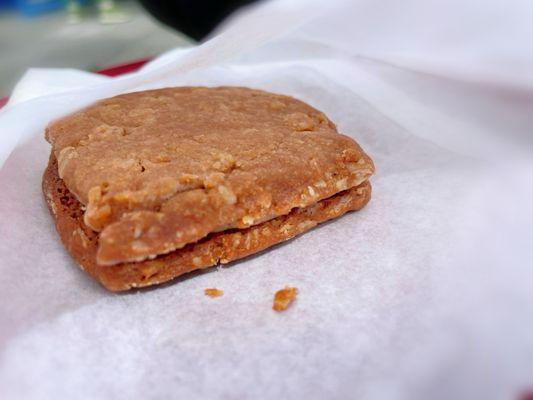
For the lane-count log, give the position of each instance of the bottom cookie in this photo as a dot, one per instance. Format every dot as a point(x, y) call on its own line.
point(221, 247)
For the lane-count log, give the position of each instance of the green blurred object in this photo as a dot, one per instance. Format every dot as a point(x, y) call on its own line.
point(109, 11)
point(74, 12)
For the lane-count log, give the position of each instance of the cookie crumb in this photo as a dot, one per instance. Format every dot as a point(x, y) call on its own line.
point(283, 298)
point(213, 292)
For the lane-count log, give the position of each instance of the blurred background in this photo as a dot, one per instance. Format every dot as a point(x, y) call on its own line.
point(96, 34)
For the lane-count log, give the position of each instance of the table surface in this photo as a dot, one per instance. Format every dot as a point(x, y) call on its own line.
point(49, 41)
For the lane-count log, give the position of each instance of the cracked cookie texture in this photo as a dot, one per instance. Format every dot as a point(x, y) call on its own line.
point(155, 173)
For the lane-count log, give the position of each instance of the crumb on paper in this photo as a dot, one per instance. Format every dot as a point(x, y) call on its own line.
point(283, 298)
point(213, 292)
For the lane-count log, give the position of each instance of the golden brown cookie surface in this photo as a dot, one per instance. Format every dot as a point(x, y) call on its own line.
point(159, 170)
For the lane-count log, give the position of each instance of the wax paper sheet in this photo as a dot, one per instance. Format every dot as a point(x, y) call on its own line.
point(425, 293)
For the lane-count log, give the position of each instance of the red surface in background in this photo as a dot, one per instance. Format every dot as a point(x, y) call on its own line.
point(527, 395)
point(121, 69)
point(111, 71)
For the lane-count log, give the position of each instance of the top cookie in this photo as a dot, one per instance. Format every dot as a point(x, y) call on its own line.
point(162, 168)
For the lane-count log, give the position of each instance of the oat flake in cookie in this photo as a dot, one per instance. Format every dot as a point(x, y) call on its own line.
point(166, 173)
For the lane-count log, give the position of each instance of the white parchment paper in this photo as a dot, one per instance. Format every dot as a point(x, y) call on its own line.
point(425, 293)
